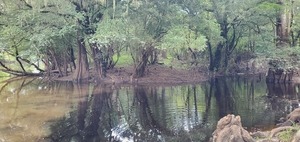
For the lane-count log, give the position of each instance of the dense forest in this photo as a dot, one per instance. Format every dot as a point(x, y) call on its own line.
point(86, 38)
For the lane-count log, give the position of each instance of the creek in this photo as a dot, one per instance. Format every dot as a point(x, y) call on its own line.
point(33, 110)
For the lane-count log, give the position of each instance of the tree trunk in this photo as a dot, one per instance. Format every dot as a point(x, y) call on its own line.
point(56, 64)
point(153, 57)
point(141, 67)
point(81, 73)
point(211, 58)
point(72, 57)
point(283, 25)
point(98, 68)
point(18, 60)
point(218, 56)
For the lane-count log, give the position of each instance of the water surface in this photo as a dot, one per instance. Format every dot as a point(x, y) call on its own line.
point(32, 110)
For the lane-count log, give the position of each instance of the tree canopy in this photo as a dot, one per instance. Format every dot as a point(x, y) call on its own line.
point(71, 37)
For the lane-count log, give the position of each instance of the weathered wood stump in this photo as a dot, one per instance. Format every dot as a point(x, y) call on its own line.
point(229, 129)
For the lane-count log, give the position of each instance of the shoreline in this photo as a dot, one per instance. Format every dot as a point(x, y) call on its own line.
point(158, 75)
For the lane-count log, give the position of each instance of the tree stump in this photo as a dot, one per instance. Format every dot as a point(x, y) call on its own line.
point(229, 129)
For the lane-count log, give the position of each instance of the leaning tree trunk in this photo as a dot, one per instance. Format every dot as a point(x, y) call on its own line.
point(81, 73)
point(56, 64)
point(141, 67)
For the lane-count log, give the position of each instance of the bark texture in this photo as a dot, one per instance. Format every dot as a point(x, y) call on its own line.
point(229, 129)
point(81, 73)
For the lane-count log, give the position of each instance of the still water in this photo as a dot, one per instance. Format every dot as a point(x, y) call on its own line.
point(33, 110)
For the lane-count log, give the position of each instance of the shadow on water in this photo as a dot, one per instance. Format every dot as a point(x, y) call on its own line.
point(165, 113)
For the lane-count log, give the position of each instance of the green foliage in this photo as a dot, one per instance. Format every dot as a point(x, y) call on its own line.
point(111, 31)
point(183, 37)
point(181, 27)
point(125, 60)
point(286, 58)
point(31, 28)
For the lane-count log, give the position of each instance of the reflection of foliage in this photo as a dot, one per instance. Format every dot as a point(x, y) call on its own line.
point(177, 113)
point(246, 97)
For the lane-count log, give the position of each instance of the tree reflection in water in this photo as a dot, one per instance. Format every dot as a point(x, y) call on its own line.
point(171, 113)
point(129, 114)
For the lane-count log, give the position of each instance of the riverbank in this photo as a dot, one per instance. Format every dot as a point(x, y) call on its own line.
point(283, 69)
point(154, 74)
point(164, 74)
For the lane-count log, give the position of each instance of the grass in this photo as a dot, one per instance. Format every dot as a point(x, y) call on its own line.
point(171, 61)
point(124, 60)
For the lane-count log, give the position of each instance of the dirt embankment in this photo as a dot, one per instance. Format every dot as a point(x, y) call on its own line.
point(167, 75)
point(154, 74)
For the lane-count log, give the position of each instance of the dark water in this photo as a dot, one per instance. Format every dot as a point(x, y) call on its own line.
point(60, 111)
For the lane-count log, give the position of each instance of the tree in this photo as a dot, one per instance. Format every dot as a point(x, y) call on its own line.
point(43, 39)
point(232, 17)
point(181, 38)
point(45, 35)
point(283, 23)
point(295, 26)
point(109, 39)
point(139, 25)
point(15, 38)
point(84, 27)
point(147, 27)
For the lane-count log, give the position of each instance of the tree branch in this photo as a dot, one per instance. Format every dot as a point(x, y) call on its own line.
point(16, 72)
point(28, 62)
point(26, 4)
point(59, 14)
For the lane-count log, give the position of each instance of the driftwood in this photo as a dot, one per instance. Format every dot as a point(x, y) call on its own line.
point(229, 129)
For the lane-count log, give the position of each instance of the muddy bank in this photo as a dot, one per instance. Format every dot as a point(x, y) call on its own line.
point(154, 74)
point(164, 75)
point(275, 70)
